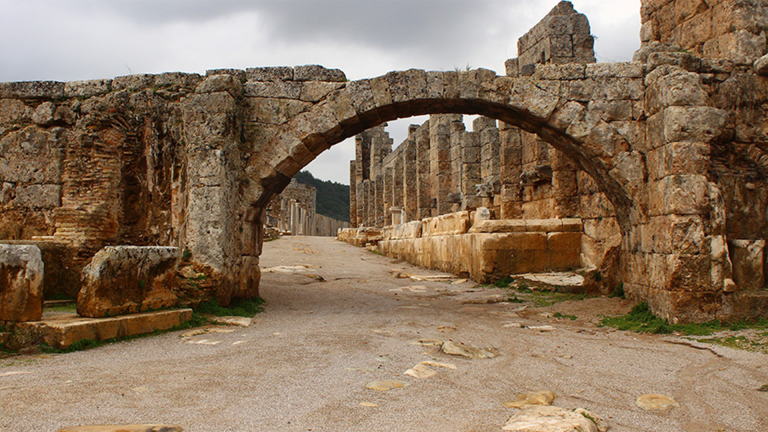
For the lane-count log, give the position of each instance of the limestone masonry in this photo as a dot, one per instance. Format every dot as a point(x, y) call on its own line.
point(661, 163)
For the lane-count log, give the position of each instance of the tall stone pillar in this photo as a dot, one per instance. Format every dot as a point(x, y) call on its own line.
point(379, 210)
point(397, 180)
point(457, 130)
point(470, 172)
point(410, 178)
point(510, 170)
point(425, 179)
point(389, 174)
point(212, 173)
point(353, 193)
point(440, 162)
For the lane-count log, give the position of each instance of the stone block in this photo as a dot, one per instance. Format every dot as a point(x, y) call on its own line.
point(679, 158)
point(275, 111)
point(544, 225)
point(697, 124)
point(86, 89)
point(511, 67)
point(747, 258)
point(669, 86)
point(273, 89)
point(43, 115)
point(39, 196)
point(742, 47)
point(317, 73)
point(564, 250)
point(46, 90)
point(679, 194)
point(615, 70)
point(221, 83)
point(21, 283)
point(314, 91)
point(280, 73)
point(128, 279)
point(499, 226)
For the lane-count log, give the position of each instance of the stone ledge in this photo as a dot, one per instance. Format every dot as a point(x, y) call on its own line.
point(62, 331)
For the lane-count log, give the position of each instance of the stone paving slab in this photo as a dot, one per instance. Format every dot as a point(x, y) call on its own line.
point(63, 330)
point(124, 428)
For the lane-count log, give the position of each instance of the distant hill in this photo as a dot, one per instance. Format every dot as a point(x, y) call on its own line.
point(332, 197)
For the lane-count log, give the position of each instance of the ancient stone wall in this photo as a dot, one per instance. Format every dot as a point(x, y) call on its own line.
point(668, 155)
point(714, 29)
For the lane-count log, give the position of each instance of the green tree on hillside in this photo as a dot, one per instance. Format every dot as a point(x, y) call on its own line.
point(332, 197)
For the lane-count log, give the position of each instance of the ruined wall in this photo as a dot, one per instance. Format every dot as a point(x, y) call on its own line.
point(670, 151)
point(443, 168)
point(714, 29)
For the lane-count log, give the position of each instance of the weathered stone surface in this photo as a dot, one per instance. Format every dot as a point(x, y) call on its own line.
point(386, 385)
point(544, 397)
point(554, 419)
point(747, 258)
point(761, 65)
point(656, 402)
point(124, 428)
point(21, 283)
point(452, 348)
point(317, 73)
point(61, 331)
point(128, 279)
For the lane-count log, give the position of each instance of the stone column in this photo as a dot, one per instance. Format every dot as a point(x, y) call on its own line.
point(424, 183)
point(470, 172)
point(490, 163)
point(212, 170)
point(388, 193)
point(440, 161)
point(410, 178)
point(353, 193)
point(510, 170)
point(397, 180)
point(380, 213)
point(457, 130)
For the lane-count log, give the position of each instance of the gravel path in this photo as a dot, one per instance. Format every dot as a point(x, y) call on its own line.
point(304, 363)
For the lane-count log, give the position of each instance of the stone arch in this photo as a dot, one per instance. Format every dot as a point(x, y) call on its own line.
point(570, 125)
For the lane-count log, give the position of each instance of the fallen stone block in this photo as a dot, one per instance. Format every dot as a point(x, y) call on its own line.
point(554, 419)
point(128, 279)
point(21, 283)
point(62, 331)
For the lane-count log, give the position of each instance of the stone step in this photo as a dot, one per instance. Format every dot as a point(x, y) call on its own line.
point(63, 330)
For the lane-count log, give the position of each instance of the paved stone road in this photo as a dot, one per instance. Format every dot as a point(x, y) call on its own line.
point(305, 363)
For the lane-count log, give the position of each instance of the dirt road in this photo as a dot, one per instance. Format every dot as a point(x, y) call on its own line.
point(304, 363)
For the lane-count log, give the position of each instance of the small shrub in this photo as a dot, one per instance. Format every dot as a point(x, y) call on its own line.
point(504, 282)
point(559, 315)
point(186, 254)
point(618, 291)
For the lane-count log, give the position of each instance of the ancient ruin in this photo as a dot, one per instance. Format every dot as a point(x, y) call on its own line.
point(661, 161)
point(294, 211)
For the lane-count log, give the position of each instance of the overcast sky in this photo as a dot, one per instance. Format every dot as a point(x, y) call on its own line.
point(66, 40)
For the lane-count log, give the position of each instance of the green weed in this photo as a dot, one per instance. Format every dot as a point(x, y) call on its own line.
point(504, 282)
point(559, 315)
point(245, 308)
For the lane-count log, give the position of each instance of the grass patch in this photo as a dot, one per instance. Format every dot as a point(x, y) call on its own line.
point(69, 308)
point(244, 308)
point(559, 315)
point(641, 320)
point(764, 388)
point(504, 282)
point(514, 299)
